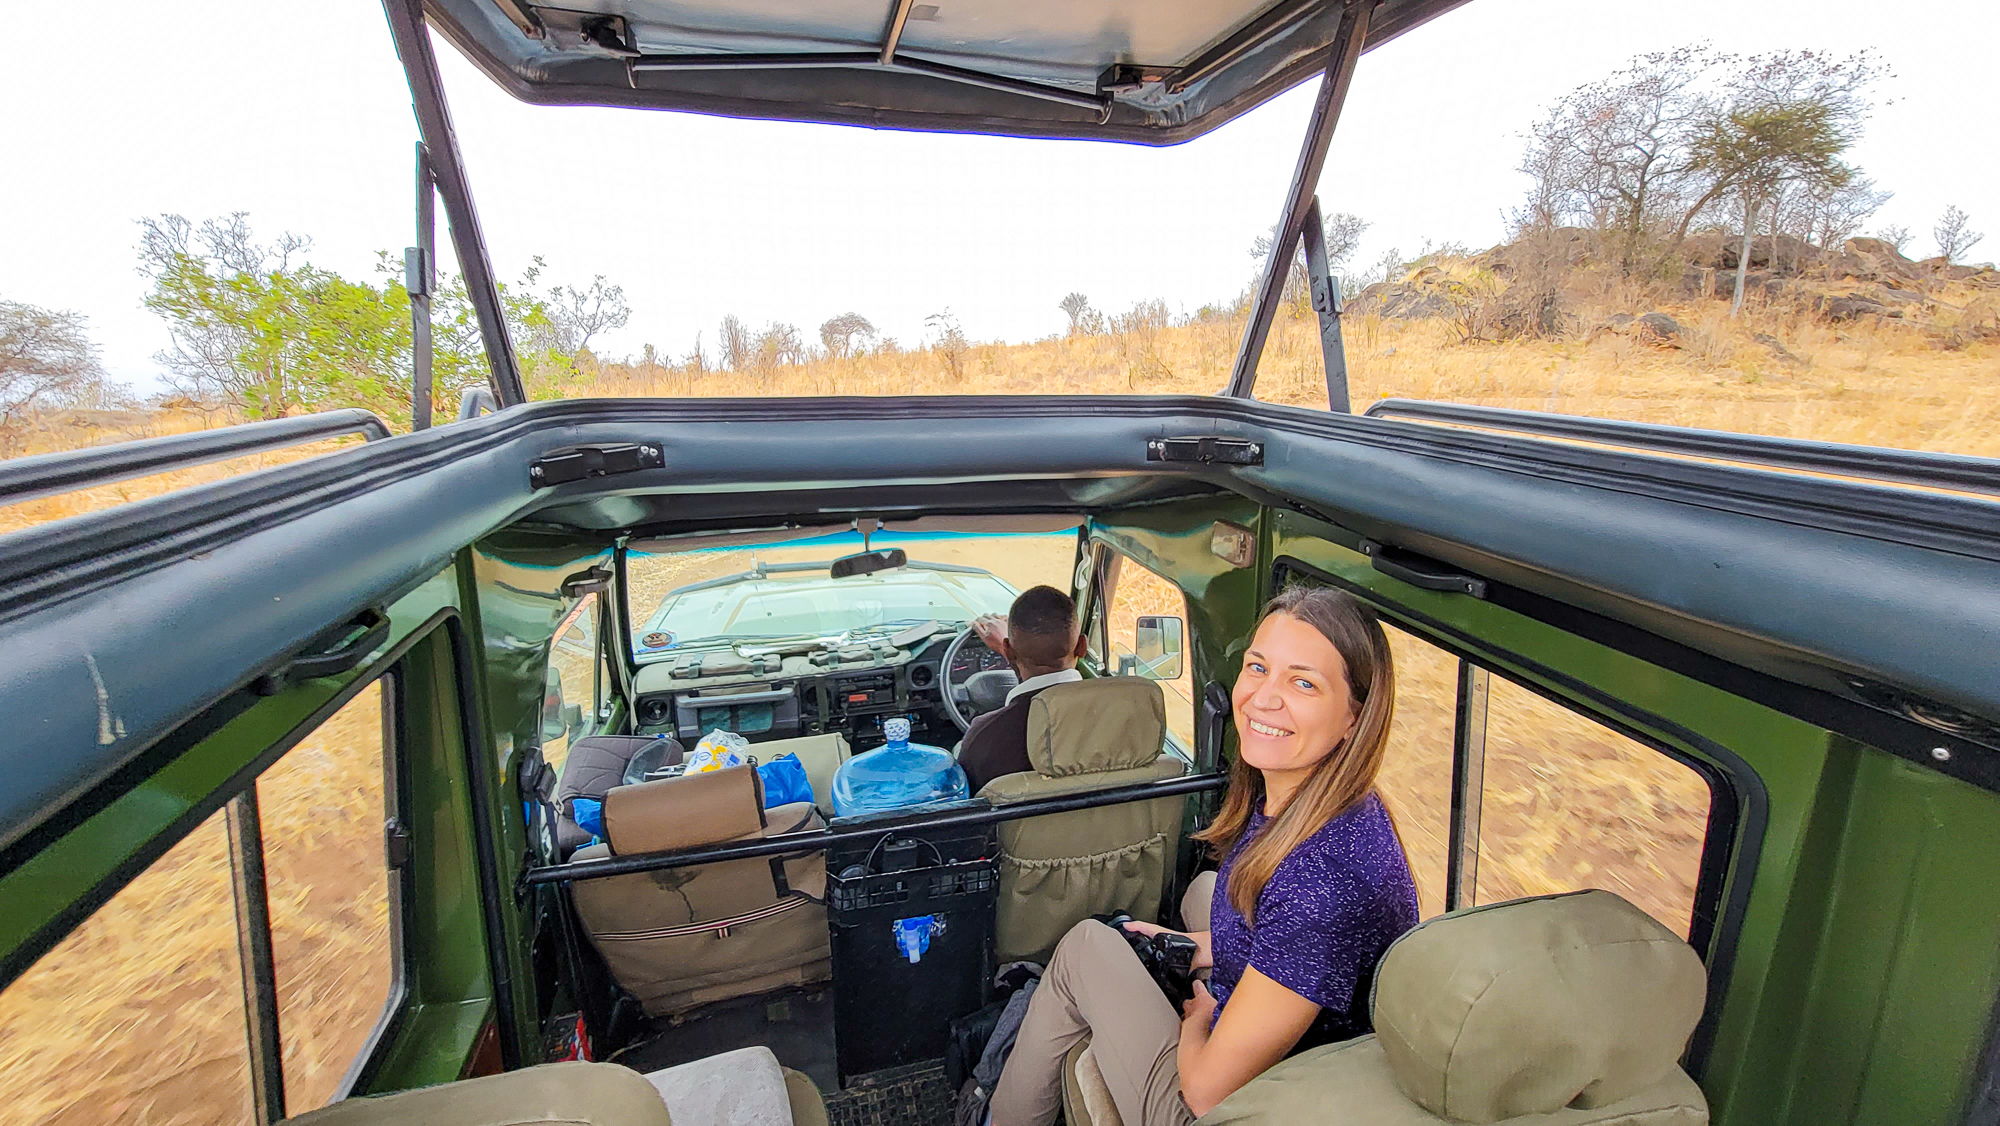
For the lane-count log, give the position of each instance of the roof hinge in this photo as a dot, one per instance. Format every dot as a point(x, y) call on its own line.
point(1206, 451)
point(579, 462)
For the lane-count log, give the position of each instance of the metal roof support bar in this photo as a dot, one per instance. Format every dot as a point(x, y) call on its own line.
point(46, 475)
point(1326, 302)
point(419, 278)
point(894, 35)
point(831, 60)
point(413, 47)
point(1341, 56)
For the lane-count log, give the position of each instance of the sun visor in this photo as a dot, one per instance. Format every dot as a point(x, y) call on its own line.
point(705, 541)
point(982, 525)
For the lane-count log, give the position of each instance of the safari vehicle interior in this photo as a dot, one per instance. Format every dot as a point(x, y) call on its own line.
point(1783, 648)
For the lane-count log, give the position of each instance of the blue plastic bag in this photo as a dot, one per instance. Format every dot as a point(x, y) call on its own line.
point(588, 813)
point(785, 782)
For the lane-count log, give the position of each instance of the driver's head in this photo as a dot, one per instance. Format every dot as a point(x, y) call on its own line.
point(1042, 634)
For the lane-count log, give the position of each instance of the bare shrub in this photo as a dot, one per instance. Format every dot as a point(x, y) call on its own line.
point(1138, 333)
point(46, 360)
point(1955, 239)
point(948, 342)
point(733, 337)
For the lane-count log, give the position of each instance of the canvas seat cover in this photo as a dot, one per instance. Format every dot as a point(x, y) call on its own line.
point(684, 937)
point(1058, 870)
point(1567, 1010)
point(575, 1094)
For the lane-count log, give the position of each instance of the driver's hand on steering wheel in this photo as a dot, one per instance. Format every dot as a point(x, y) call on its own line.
point(992, 629)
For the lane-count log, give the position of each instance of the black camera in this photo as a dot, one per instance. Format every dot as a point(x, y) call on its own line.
point(1167, 956)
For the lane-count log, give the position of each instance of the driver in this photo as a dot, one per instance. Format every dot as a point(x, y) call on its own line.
point(1039, 637)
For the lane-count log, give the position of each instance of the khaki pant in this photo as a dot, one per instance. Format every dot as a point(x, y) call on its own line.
point(1095, 986)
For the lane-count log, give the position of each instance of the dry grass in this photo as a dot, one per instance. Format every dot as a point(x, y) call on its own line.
point(1875, 384)
point(136, 1017)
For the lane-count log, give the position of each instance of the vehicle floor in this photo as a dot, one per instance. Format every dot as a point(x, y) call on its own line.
point(797, 1025)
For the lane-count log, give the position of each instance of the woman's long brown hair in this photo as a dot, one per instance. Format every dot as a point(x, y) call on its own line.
point(1343, 778)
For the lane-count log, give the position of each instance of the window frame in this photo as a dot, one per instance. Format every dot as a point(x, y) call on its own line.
point(263, 1023)
point(1738, 802)
point(1107, 568)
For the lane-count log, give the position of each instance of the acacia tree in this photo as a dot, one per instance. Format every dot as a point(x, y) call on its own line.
point(255, 326)
point(839, 334)
point(1955, 238)
point(1342, 233)
point(1612, 154)
point(46, 360)
point(1078, 308)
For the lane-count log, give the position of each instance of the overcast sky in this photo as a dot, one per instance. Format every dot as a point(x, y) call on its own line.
point(297, 114)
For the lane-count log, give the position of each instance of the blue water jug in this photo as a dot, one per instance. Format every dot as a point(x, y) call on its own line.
point(897, 775)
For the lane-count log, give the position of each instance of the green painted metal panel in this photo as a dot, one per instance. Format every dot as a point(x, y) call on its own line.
point(1909, 952)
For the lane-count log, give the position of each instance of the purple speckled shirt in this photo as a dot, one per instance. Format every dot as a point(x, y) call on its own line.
point(1333, 906)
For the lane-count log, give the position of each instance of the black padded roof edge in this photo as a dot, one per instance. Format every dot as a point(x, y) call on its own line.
point(1806, 579)
point(1289, 51)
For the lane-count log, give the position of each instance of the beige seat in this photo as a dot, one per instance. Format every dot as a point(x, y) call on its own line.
point(1567, 1010)
point(685, 937)
point(575, 1094)
point(1063, 868)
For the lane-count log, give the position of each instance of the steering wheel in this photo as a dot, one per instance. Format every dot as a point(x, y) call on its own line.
point(969, 697)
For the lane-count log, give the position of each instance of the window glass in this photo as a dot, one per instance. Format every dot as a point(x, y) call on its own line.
point(575, 685)
point(1415, 782)
point(323, 806)
point(137, 1015)
point(783, 589)
point(1569, 804)
point(1139, 592)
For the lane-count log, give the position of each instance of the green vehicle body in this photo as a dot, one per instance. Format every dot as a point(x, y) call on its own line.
point(1863, 964)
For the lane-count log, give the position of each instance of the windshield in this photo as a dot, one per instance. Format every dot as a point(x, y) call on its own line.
point(717, 596)
point(761, 604)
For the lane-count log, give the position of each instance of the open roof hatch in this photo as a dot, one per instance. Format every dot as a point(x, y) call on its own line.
point(1151, 71)
point(760, 58)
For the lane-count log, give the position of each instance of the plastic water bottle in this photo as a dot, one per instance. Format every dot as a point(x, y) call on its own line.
point(897, 775)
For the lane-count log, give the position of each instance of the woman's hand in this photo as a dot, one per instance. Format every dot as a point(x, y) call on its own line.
point(1204, 956)
point(1200, 1008)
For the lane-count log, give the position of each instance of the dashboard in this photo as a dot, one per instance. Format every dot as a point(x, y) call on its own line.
point(794, 695)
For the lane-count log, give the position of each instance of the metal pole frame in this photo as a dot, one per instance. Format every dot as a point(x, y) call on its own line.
point(419, 280)
point(253, 946)
point(1341, 56)
point(1326, 302)
point(413, 47)
point(1468, 781)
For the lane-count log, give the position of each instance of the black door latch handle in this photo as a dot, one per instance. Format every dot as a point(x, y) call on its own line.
point(1421, 571)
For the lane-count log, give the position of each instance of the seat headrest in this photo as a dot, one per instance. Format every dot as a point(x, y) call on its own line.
point(1533, 1005)
point(697, 809)
point(1092, 726)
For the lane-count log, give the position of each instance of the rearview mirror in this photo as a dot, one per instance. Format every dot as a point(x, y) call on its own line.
point(1157, 644)
point(868, 562)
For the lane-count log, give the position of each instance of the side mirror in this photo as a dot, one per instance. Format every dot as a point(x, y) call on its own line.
point(573, 720)
point(553, 712)
point(867, 563)
point(1157, 643)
